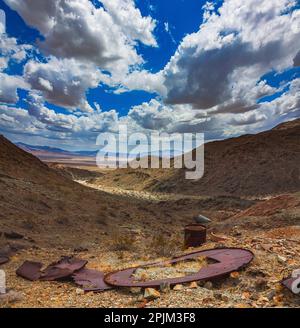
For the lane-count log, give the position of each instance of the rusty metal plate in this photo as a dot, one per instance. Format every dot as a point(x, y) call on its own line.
point(63, 268)
point(91, 280)
point(30, 270)
point(228, 260)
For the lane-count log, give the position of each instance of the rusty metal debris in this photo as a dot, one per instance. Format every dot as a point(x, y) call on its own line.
point(63, 268)
point(91, 280)
point(194, 235)
point(30, 270)
point(291, 283)
point(228, 260)
point(67, 268)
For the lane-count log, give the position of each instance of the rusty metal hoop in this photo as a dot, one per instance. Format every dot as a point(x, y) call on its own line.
point(228, 260)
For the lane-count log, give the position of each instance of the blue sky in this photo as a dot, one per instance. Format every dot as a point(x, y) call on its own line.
point(182, 19)
point(224, 68)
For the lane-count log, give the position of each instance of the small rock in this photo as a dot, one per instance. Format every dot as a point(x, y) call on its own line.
point(225, 298)
point(178, 287)
point(281, 259)
point(234, 275)
point(217, 295)
point(135, 290)
point(208, 285)
point(193, 285)
point(271, 295)
point(260, 284)
point(11, 297)
point(256, 272)
point(266, 247)
point(140, 298)
point(236, 232)
point(79, 291)
point(151, 294)
point(165, 287)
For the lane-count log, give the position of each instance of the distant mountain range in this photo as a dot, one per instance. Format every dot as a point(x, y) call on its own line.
point(46, 151)
point(31, 148)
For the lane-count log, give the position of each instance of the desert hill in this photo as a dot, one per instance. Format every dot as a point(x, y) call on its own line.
point(251, 165)
point(47, 206)
point(58, 216)
point(248, 166)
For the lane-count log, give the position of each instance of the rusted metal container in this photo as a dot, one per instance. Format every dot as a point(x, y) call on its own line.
point(194, 235)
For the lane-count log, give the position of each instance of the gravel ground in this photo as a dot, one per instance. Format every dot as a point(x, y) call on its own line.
point(257, 286)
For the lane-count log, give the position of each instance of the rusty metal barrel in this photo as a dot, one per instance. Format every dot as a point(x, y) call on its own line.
point(194, 235)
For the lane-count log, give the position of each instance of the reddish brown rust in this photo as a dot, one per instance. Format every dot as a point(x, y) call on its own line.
point(228, 260)
point(66, 268)
point(194, 235)
point(63, 268)
point(30, 270)
point(90, 280)
point(289, 283)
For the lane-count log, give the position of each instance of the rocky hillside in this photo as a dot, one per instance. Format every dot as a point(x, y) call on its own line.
point(252, 165)
point(44, 205)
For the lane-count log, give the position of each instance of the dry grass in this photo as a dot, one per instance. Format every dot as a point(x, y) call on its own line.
point(122, 240)
point(165, 246)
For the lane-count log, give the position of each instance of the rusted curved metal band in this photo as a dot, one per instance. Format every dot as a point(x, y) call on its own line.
point(228, 260)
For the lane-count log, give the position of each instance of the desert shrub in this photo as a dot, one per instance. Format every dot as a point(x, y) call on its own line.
point(163, 245)
point(122, 240)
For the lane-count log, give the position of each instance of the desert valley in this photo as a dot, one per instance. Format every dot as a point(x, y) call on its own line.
point(149, 159)
point(123, 218)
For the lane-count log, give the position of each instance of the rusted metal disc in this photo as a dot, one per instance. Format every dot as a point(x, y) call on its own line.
point(228, 260)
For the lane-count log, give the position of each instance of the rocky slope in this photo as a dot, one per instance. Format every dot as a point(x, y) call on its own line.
point(51, 209)
point(252, 165)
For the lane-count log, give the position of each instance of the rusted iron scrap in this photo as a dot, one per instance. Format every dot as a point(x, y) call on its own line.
point(30, 270)
point(293, 284)
point(68, 268)
point(63, 268)
point(227, 261)
point(91, 280)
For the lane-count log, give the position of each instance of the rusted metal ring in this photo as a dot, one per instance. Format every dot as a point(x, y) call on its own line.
point(228, 260)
